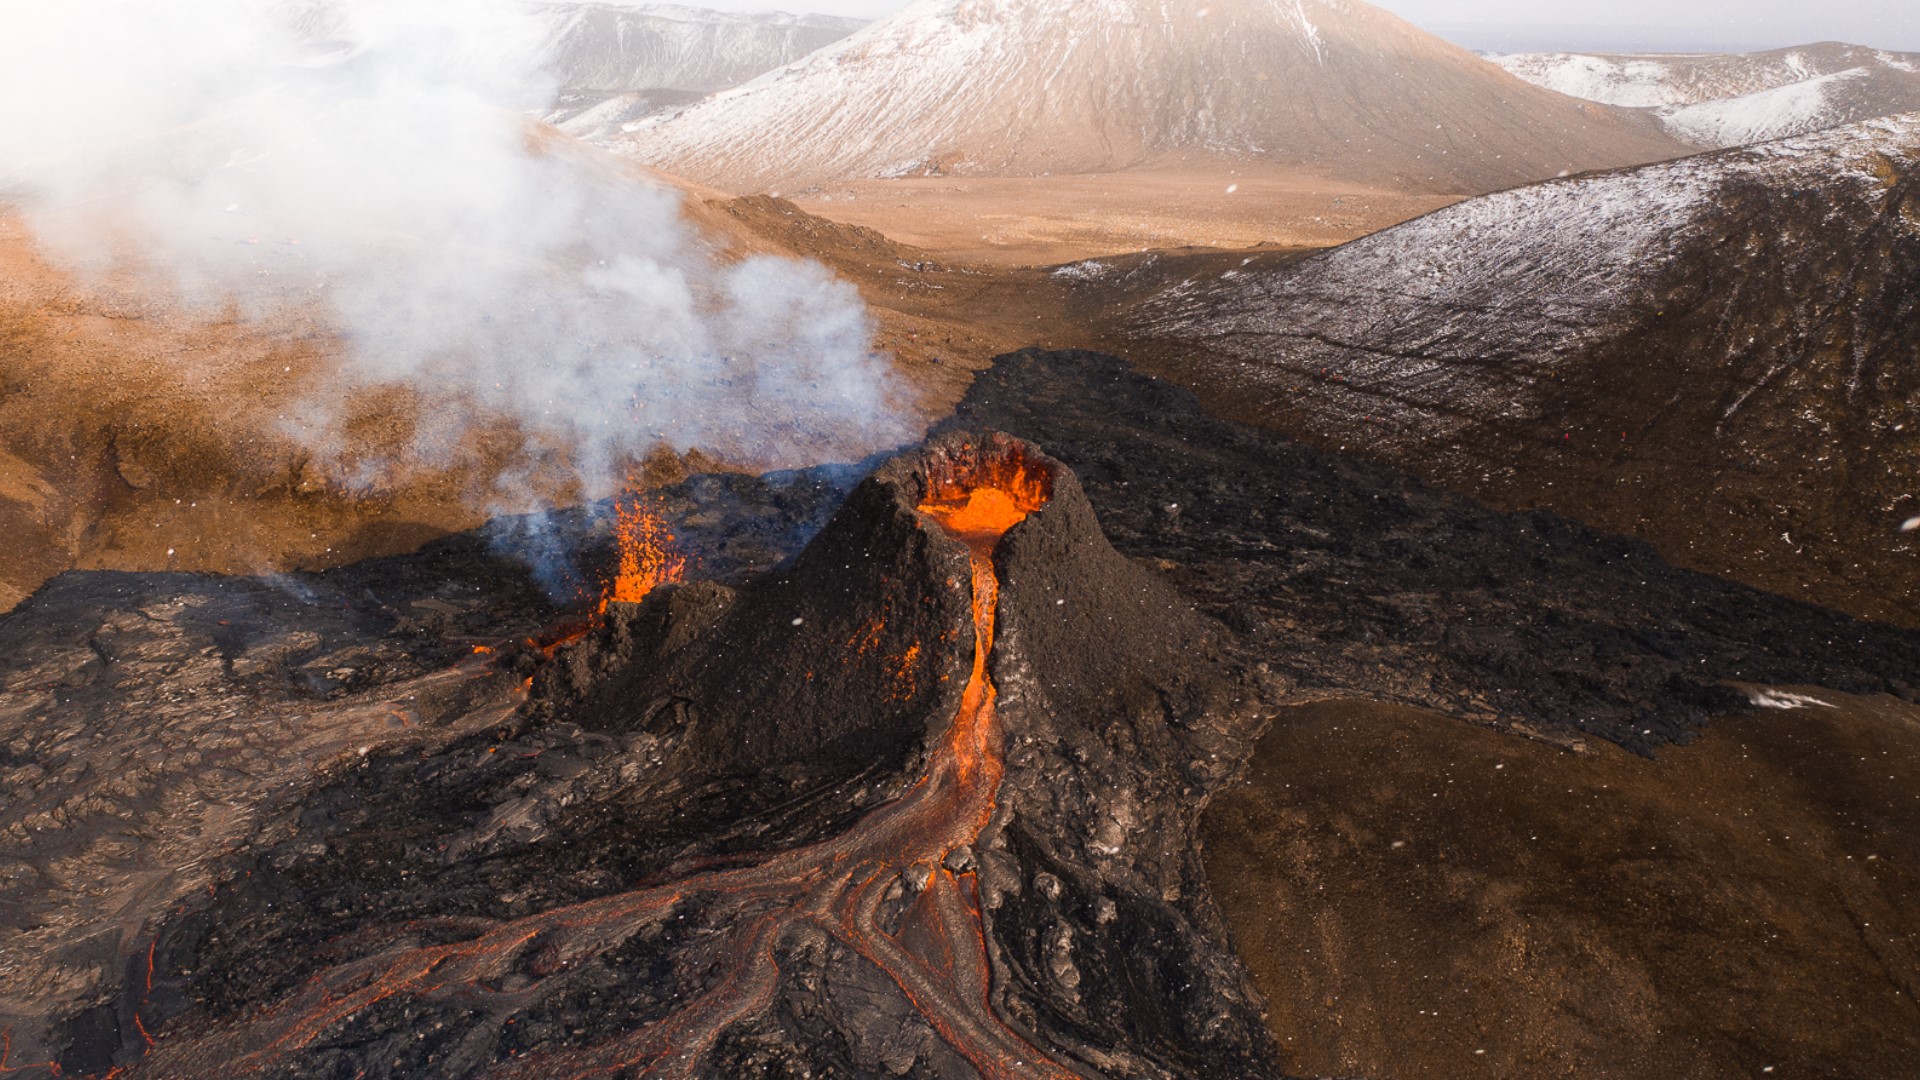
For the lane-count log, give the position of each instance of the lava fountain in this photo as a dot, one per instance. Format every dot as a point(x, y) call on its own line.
point(645, 559)
point(645, 548)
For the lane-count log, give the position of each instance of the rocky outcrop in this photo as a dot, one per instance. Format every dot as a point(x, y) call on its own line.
point(1713, 354)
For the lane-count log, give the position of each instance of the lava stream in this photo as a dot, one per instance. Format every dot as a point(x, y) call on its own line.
point(937, 956)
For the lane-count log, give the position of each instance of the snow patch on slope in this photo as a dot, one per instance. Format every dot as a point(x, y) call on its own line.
point(1768, 114)
point(1611, 80)
point(1309, 32)
point(1542, 269)
point(1593, 239)
point(1785, 700)
point(1714, 101)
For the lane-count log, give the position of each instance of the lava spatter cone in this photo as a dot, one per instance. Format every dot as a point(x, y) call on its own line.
point(922, 804)
point(859, 652)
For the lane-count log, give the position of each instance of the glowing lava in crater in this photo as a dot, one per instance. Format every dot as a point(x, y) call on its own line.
point(979, 497)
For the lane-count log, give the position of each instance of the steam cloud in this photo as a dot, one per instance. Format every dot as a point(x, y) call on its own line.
point(370, 159)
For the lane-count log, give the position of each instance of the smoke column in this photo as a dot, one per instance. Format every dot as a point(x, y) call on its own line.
point(371, 160)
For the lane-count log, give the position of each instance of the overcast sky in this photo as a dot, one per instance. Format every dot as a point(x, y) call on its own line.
point(1591, 24)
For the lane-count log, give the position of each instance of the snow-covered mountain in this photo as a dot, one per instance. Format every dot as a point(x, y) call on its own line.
point(1721, 353)
point(668, 47)
point(1723, 100)
point(1029, 87)
point(617, 63)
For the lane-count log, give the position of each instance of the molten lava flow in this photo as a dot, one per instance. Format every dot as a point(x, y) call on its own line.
point(987, 512)
point(647, 558)
point(936, 954)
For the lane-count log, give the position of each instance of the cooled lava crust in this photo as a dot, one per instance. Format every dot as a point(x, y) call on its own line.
point(923, 803)
point(190, 836)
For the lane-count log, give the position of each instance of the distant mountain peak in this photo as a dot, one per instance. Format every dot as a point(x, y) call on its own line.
point(673, 47)
point(1028, 87)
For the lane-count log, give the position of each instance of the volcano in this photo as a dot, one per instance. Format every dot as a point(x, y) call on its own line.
point(1732, 333)
point(903, 780)
point(1023, 88)
point(923, 803)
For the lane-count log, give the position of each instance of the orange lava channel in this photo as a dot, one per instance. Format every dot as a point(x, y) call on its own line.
point(937, 954)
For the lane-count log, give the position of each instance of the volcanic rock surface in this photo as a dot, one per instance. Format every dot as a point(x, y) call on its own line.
point(1026, 88)
point(153, 724)
point(1719, 100)
point(615, 881)
point(891, 877)
point(1417, 898)
point(1354, 578)
point(1478, 904)
point(1715, 354)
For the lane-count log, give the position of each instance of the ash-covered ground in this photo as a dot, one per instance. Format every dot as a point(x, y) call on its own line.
point(1351, 577)
point(152, 725)
point(177, 872)
point(1713, 354)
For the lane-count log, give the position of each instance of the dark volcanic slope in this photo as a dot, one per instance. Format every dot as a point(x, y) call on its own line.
point(646, 862)
point(1721, 355)
point(639, 880)
point(1354, 577)
point(150, 724)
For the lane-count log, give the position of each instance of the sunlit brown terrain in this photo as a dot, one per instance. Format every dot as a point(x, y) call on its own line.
point(1044, 221)
point(1362, 575)
point(141, 433)
point(1420, 898)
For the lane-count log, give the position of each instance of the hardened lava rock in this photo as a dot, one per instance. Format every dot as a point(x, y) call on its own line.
point(800, 828)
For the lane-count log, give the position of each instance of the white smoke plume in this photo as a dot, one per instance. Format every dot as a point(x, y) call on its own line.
point(369, 160)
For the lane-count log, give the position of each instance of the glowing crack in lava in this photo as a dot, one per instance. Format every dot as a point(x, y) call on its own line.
point(936, 953)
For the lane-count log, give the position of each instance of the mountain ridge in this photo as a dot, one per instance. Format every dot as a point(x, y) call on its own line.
point(1731, 333)
point(602, 46)
point(1015, 88)
point(1718, 101)
point(616, 63)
